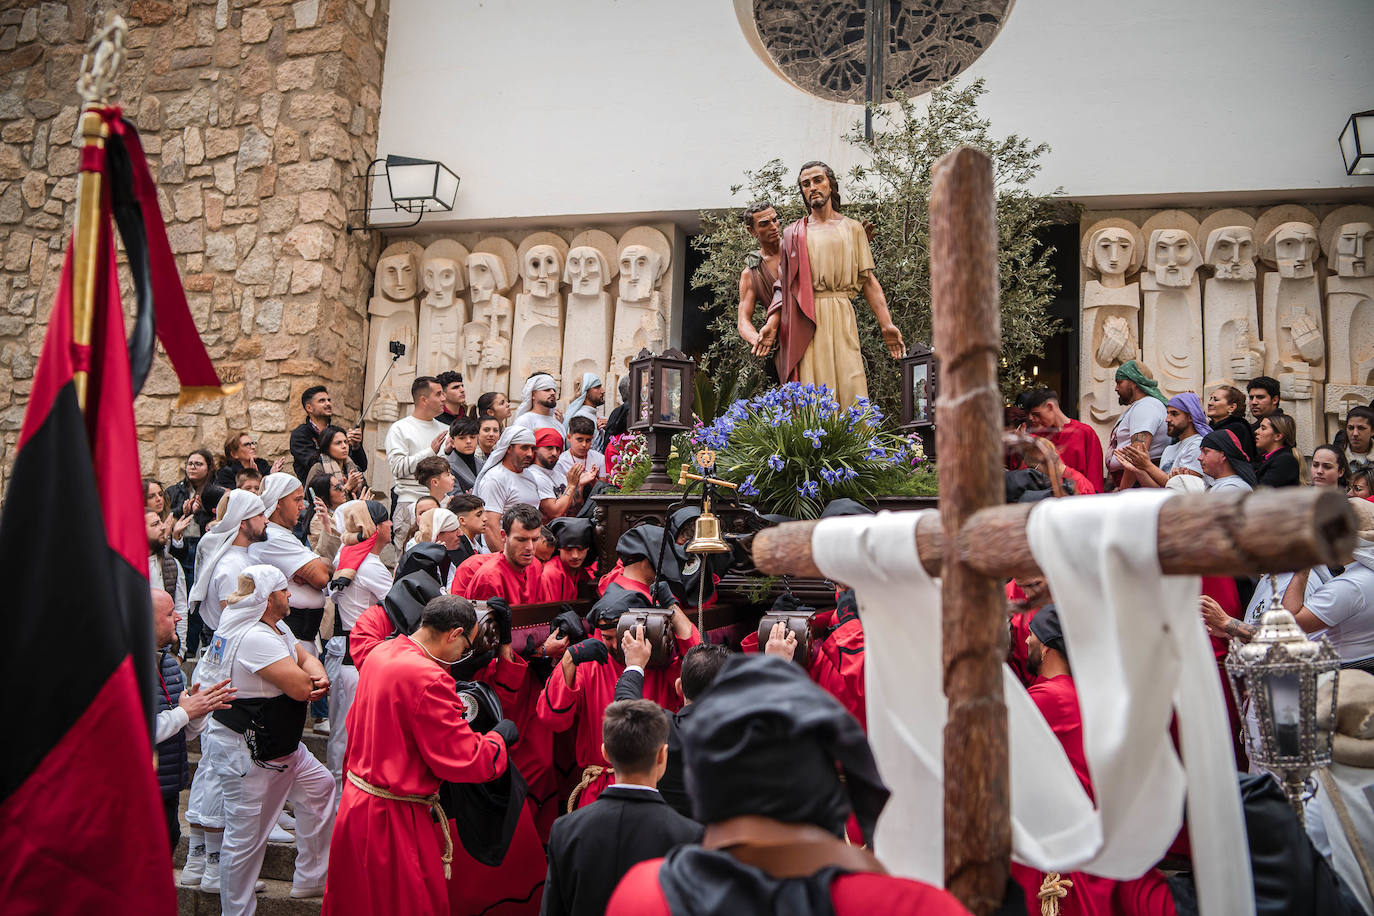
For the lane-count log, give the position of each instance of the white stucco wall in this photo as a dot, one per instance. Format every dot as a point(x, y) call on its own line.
point(556, 108)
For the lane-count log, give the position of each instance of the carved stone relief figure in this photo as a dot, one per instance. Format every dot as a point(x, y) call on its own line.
point(1347, 237)
point(640, 318)
point(1112, 251)
point(1295, 347)
point(1172, 318)
point(443, 267)
point(537, 344)
point(487, 337)
point(393, 317)
point(1233, 352)
point(592, 265)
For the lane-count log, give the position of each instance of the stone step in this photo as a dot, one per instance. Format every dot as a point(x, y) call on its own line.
point(278, 863)
point(275, 901)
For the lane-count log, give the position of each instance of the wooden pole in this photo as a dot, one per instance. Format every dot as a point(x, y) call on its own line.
point(1226, 534)
point(85, 252)
point(968, 424)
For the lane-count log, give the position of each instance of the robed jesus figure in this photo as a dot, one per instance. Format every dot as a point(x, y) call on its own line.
point(825, 262)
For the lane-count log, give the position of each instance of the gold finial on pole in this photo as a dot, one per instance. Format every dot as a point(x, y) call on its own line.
point(104, 55)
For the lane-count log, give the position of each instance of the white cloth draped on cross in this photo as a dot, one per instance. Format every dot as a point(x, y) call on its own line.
point(1133, 633)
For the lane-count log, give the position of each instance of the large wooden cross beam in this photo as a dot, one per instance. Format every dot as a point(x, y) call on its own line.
point(979, 541)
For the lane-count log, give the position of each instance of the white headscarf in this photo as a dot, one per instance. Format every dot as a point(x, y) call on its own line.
point(590, 380)
point(541, 382)
point(241, 507)
point(217, 664)
point(514, 435)
point(274, 487)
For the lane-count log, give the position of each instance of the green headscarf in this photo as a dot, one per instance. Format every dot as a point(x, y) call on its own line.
point(1130, 370)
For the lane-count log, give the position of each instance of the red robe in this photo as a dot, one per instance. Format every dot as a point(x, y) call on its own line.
point(617, 577)
point(838, 673)
point(1148, 895)
point(583, 704)
point(561, 583)
point(369, 631)
point(1081, 450)
point(466, 570)
point(406, 735)
point(518, 692)
point(1081, 485)
point(853, 894)
point(794, 297)
point(499, 577)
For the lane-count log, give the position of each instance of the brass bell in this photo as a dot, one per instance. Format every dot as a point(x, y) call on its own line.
point(706, 538)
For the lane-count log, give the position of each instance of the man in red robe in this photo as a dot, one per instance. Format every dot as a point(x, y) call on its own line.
point(1077, 442)
point(583, 685)
point(1056, 696)
point(407, 734)
point(772, 761)
point(513, 573)
point(568, 573)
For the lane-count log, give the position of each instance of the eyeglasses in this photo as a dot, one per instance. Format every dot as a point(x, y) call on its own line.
point(250, 443)
point(337, 488)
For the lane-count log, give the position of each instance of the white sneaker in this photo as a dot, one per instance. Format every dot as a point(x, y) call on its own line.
point(286, 821)
point(195, 867)
point(209, 882)
point(322, 727)
point(260, 887)
point(279, 835)
point(306, 893)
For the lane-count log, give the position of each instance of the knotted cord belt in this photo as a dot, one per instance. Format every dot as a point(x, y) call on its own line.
point(431, 800)
point(1054, 889)
point(589, 776)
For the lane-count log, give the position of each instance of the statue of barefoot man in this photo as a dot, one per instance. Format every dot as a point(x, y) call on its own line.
point(824, 261)
point(760, 272)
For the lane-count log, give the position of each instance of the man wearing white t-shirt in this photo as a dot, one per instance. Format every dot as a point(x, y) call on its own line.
point(370, 583)
point(581, 431)
point(1344, 606)
point(266, 764)
point(503, 482)
point(558, 495)
point(1143, 421)
point(536, 405)
point(306, 572)
point(411, 440)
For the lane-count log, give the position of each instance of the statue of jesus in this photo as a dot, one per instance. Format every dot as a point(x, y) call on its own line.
point(825, 262)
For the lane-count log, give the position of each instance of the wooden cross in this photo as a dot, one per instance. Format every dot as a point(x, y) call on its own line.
point(979, 542)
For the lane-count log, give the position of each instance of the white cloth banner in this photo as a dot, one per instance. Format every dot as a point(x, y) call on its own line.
point(1134, 634)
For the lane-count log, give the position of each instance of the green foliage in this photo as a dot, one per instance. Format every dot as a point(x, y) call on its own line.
point(893, 191)
point(718, 390)
point(793, 449)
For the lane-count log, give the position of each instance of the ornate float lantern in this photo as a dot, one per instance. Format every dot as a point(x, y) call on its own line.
point(661, 390)
point(1278, 671)
point(918, 394)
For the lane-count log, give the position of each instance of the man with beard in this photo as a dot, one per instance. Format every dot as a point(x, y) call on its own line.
point(162, 567)
point(319, 413)
point(824, 262)
point(1223, 460)
point(1076, 442)
point(306, 572)
point(567, 575)
point(774, 768)
point(1187, 425)
point(536, 404)
point(1142, 422)
point(557, 496)
point(512, 573)
point(593, 395)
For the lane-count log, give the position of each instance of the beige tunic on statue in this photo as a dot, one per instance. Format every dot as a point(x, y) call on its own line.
point(840, 257)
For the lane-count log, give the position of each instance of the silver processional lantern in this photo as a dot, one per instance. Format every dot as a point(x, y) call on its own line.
point(1278, 671)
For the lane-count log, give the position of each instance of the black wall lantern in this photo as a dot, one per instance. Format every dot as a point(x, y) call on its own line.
point(417, 186)
point(661, 390)
point(1357, 143)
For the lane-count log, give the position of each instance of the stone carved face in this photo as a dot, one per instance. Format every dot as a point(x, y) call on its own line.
point(1354, 244)
point(586, 271)
point(1173, 257)
point(398, 276)
point(1295, 250)
point(541, 270)
point(1231, 253)
point(486, 274)
point(1112, 250)
point(639, 268)
point(441, 282)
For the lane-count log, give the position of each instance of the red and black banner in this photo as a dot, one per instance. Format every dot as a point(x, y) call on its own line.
point(81, 820)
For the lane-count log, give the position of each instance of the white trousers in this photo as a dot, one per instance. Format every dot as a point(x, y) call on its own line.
point(205, 805)
point(254, 795)
point(343, 684)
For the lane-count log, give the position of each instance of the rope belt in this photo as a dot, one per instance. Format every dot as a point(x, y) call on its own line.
point(431, 800)
point(589, 776)
point(1054, 889)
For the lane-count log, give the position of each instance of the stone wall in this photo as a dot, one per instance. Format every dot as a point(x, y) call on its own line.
point(258, 117)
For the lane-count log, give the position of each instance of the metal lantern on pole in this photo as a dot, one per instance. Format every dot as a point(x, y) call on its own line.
point(661, 390)
point(1278, 670)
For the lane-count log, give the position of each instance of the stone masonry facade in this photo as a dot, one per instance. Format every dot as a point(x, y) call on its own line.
point(259, 118)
